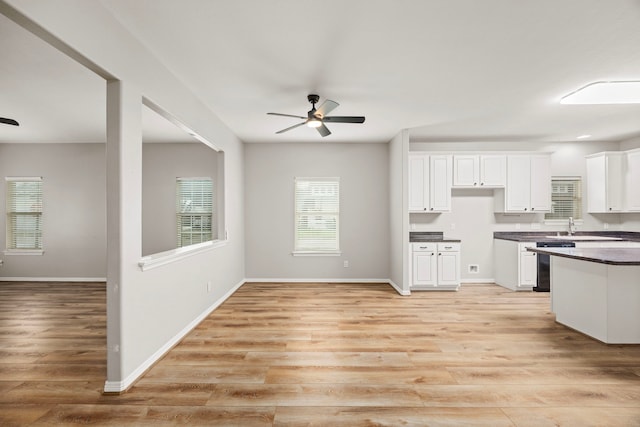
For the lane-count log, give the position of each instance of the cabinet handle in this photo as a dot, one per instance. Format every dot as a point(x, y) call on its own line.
point(431, 209)
point(525, 209)
point(448, 247)
point(423, 247)
point(533, 209)
point(482, 183)
point(475, 183)
point(424, 209)
point(432, 254)
point(439, 254)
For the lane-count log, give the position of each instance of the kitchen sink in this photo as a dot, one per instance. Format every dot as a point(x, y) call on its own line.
point(566, 237)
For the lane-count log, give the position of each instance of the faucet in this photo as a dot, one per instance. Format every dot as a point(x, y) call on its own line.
point(572, 226)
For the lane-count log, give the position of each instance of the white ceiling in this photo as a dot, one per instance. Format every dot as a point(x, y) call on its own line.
point(449, 70)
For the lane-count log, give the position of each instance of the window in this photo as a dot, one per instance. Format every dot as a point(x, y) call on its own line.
point(24, 214)
point(566, 198)
point(317, 214)
point(195, 208)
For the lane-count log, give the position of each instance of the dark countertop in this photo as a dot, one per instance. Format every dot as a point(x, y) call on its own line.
point(430, 236)
point(612, 256)
point(540, 236)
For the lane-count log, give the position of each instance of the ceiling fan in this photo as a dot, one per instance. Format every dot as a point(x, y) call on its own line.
point(316, 118)
point(9, 121)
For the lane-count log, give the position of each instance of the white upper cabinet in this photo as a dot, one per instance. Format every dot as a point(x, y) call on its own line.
point(528, 188)
point(479, 171)
point(429, 183)
point(605, 182)
point(632, 173)
point(418, 182)
point(440, 183)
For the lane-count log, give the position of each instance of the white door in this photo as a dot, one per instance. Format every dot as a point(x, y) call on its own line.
point(541, 183)
point(633, 181)
point(424, 268)
point(440, 183)
point(448, 268)
point(418, 182)
point(493, 170)
point(518, 183)
point(465, 171)
point(528, 268)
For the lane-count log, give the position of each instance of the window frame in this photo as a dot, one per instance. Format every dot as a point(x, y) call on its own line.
point(10, 248)
point(181, 214)
point(579, 216)
point(301, 250)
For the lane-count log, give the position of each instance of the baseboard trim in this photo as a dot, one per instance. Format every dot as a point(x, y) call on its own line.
point(53, 279)
point(121, 386)
point(399, 289)
point(307, 280)
point(477, 281)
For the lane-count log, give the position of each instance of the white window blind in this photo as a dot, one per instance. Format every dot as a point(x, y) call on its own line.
point(566, 198)
point(317, 214)
point(195, 211)
point(24, 213)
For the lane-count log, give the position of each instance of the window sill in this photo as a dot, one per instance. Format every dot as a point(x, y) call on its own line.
point(316, 253)
point(562, 221)
point(167, 257)
point(24, 252)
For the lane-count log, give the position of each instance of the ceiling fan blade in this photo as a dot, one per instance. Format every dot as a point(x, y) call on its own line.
point(323, 130)
point(326, 107)
point(290, 127)
point(343, 119)
point(287, 115)
point(9, 121)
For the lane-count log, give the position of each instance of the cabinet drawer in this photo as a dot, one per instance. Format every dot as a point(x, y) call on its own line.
point(523, 246)
point(448, 247)
point(423, 247)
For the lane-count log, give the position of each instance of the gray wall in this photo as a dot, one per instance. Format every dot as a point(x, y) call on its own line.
point(270, 170)
point(74, 219)
point(161, 165)
point(472, 218)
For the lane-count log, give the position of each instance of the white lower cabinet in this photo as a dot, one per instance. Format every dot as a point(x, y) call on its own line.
point(514, 267)
point(435, 266)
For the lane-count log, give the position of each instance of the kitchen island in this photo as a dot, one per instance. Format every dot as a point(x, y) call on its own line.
point(596, 291)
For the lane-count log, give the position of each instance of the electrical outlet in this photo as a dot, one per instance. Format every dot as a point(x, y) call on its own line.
point(346, 264)
point(209, 286)
point(474, 268)
point(605, 226)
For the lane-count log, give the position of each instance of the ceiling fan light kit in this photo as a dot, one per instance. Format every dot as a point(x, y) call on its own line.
point(606, 92)
point(317, 117)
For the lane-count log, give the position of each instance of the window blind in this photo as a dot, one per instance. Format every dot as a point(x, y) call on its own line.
point(317, 212)
point(566, 198)
point(194, 211)
point(24, 213)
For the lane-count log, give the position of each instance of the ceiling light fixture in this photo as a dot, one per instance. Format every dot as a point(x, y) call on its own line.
point(314, 123)
point(583, 137)
point(611, 92)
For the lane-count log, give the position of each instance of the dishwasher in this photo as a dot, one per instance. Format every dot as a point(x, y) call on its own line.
point(543, 283)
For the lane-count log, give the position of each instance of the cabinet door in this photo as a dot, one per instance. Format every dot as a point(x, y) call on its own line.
point(424, 268)
point(633, 181)
point(541, 183)
point(440, 183)
point(418, 182)
point(465, 171)
point(614, 184)
point(528, 269)
point(518, 184)
point(493, 170)
point(448, 268)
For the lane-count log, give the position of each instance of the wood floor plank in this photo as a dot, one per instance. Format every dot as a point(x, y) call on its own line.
point(323, 354)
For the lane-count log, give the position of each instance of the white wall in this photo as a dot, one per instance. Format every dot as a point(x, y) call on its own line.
point(270, 170)
point(74, 218)
point(472, 218)
point(139, 327)
point(398, 208)
point(161, 165)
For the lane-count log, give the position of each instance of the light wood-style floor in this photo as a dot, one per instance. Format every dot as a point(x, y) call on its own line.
point(322, 355)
